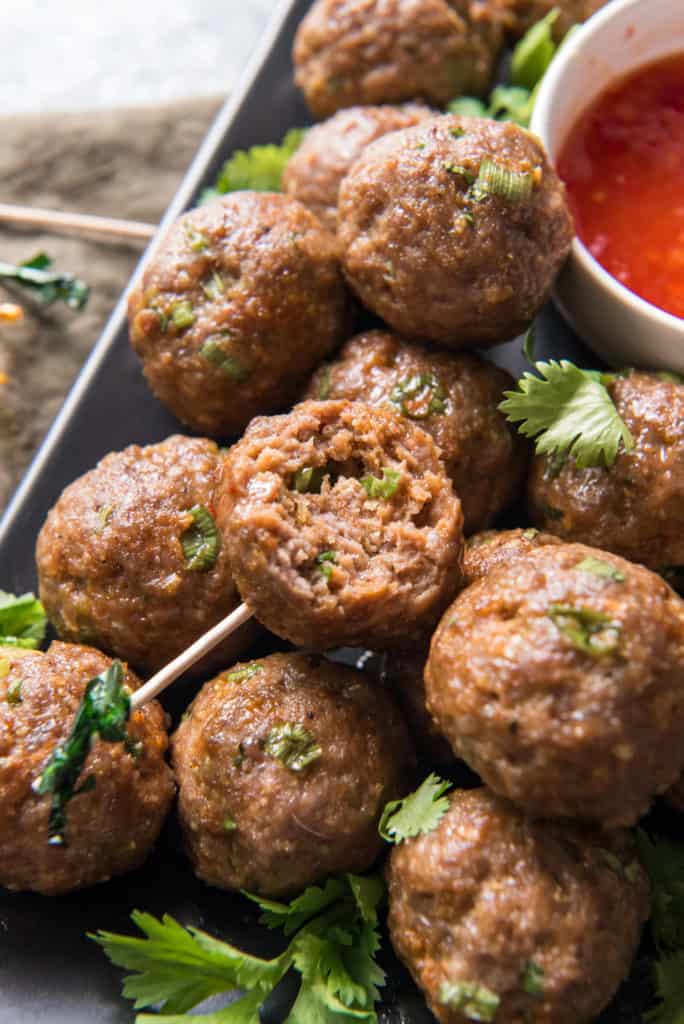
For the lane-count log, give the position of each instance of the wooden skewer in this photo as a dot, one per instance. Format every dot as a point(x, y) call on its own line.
point(81, 223)
point(167, 675)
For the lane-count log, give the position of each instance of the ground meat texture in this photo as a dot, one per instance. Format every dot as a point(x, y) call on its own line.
point(440, 256)
point(492, 548)
point(253, 815)
point(454, 398)
point(351, 52)
point(404, 671)
point(240, 302)
point(559, 679)
point(109, 830)
point(533, 921)
point(313, 175)
point(342, 526)
point(517, 16)
point(112, 567)
point(635, 507)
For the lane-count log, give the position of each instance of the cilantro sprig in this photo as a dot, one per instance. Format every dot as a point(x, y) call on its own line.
point(48, 285)
point(259, 169)
point(333, 948)
point(568, 411)
point(22, 621)
point(416, 814)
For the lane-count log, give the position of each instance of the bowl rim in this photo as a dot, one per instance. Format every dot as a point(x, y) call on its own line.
point(541, 117)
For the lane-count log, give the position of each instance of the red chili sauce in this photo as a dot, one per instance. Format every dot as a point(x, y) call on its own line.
point(623, 165)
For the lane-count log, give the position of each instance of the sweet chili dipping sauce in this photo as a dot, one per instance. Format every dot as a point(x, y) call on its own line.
point(623, 165)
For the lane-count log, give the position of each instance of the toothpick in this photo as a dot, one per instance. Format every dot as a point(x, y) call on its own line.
point(81, 223)
point(167, 675)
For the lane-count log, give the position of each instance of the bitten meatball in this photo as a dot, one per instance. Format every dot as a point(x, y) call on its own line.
point(284, 766)
point(404, 671)
point(342, 526)
point(559, 679)
point(351, 52)
point(454, 230)
point(636, 506)
point(517, 16)
point(500, 918)
point(453, 397)
point(486, 551)
point(113, 824)
point(130, 559)
point(314, 173)
point(240, 302)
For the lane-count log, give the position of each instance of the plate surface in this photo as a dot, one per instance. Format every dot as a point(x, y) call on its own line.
point(48, 968)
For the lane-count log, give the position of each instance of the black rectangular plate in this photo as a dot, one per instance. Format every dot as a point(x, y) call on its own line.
point(48, 968)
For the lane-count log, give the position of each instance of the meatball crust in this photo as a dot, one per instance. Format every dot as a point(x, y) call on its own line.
point(559, 679)
point(342, 526)
point(517, 16)
point(314, 173)
point(437, 256)
point(545, 918)
point(404, 672)
point(111, 563)
point(252, 819)
point(492, 548)
point(453, 397)
point(109, 831)
point(636, 506)
point(350, 52)
point(240, 302)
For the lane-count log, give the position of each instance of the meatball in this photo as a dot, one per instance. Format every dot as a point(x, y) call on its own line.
point(351, 52)
point(498, 917)
point(559, 679)
point(314, 173)
point(284, 766)
point(238, 305)
point(517, 16)
point(342, 526)
point(454, 398)
point(454, 230)
point(404, 672)
point(130, 560)
point(486, 551)
point(636, 506)
point(110, 830)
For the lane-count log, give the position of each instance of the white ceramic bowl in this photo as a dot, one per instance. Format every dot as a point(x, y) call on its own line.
point(623, 36)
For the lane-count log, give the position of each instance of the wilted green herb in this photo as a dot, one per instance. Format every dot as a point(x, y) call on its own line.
point(103, 712)
point(293, 745)
point(214, 351)
point(182, 314)
point(241, 674)
point(384, 488)
point(597, 567)
point(325, 562)
point(22, 621)
point(475, 1002)
point(49, 286)
point(589, 631)
point(420, 396)
point(201, 541)
point(532, 979)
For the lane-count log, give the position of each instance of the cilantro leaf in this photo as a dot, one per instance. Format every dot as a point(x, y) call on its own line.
point(535, 51)
point(669, 978)
point(570, 412)
point(49, 286)
point(512, 103)
point(22, 621)
point(244, 1010)
point(467, 106)
point(416, 814)
point(259, 169)
point(664, 862)
point(291, 916)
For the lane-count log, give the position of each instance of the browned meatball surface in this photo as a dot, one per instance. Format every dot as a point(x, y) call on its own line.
point(110, 829)
point(404, 671)
point(342, 526)
point(519, 920)
point(240, 302)
point(559, 679)
point(492, 548)
point(636, 507)
point(284, 766)
point(517, 16)
point(351, 52)
point(454, 230)
point(112, 560)
point(453, 397)
point(314, 173)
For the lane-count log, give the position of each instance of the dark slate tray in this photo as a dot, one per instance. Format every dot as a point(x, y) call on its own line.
point(48, 969)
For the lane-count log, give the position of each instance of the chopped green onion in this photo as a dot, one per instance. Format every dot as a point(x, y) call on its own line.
point(324, 384)
point(533, 979)
point(293, 745)
point(13, 695)
point(475, 1002)
point(213, 350)
point(598, 567)
point(384, 488)
point(229, 824)
point(588, 631)
point(201, 542)
point(197, 241)
point(182, 314)
point(325, 562)
point(309, 479)
point(241, 674)
point(215, 287)
point(462, 172)
point(419, 396)
point(496, 180)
